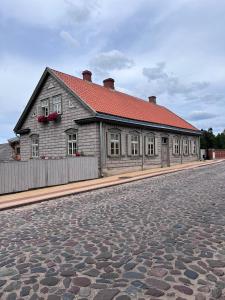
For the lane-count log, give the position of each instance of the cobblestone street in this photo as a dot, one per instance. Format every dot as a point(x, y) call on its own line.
point(159, 238)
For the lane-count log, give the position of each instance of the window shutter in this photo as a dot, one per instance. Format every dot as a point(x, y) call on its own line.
point(108, 144)
point(39, 110)
point(50, 104)
point(146, 146)
point(123, 144)
point(181, 145)
point(129, 145)
point(197, 151)
point(141, 144)
point(191, 146)
point(156, 146)
point(173, 142)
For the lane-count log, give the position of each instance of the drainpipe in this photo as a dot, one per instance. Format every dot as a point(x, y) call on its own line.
point(142, 159)
point(199, 148)
point(101, 150)
point(181, 154)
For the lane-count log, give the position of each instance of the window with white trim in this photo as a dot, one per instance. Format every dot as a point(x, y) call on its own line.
point(72, 143)
point(134, 145)
point(176, 146)
point(57, 104)
point(185, 147)
point(34, 146)
point(114, 144)
point(150, 141)
point(45, 107)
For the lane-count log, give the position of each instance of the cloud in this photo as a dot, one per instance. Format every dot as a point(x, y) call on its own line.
point(201, 115)
point(80, 11)
point(48, 14)
point(110, 61)
point(68, 38)
point(170, 83)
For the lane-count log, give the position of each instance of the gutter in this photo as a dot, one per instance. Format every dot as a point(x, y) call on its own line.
point(135, 123)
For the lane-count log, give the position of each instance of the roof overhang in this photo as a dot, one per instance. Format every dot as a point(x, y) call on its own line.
point(23, 131)
point(99, 117)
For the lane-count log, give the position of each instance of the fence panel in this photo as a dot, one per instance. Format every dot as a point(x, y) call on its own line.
point(21, 176)
point(13, 177)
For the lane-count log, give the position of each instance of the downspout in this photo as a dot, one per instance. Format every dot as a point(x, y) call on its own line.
point(199, 148)
point(142, 159)
point(101, 150)
point(181, 150)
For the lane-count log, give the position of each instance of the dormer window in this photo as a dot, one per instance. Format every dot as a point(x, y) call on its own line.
point(45, 107)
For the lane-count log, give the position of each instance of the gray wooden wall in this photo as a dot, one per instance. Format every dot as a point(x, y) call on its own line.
point(25, 175)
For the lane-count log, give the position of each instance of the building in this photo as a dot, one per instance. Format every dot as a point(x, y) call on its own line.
point(69, 116)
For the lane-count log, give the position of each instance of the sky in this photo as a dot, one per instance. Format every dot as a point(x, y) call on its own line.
point(171, 49)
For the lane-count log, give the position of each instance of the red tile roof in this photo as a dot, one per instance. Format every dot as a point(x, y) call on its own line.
point(107, 101)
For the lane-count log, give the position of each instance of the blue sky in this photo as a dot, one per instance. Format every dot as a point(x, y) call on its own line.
point(172, 49)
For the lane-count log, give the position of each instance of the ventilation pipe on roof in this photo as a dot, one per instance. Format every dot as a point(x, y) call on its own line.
point(87, 75)
point(152, 99)
point(109, 83)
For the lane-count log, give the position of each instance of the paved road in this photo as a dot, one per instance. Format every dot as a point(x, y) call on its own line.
point(159, 238)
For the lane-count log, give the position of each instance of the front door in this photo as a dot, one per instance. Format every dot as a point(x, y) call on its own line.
point(165, 151)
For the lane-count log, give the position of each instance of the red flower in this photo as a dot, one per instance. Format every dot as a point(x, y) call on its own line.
point(77, 154)
point(42, 119)
point(53, 116)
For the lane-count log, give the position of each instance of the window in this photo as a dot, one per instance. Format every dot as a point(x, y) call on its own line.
point(176, 146)
point(57, 104)
point(34, 146)
point(164, 140)
point(71, 103)
point(150, 144)
point(185, 147)
point(45, 107)
point(134, 145)
point(114, 144)
point(72, 143)
point(17, 150)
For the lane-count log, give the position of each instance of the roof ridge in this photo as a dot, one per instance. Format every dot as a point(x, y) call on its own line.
point(101, 86)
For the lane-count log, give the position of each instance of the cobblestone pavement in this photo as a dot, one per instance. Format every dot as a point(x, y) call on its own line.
point(159, 238)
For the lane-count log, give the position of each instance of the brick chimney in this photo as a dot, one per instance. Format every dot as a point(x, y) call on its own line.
point(152, 99)
point(87, 75)
point(109, 83)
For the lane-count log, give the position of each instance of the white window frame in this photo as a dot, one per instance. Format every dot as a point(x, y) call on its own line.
point(114, 143)
point(150, 141)
point(35, 146)
point(72, 147)
point(57, 104)
point(185, 146)
point(45, 107)
point(134, 144)
point(176, 146)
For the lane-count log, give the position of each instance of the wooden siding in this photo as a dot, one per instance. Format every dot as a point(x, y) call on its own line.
point(25, 175)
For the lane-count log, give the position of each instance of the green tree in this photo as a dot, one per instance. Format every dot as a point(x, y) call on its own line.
point(207, 139)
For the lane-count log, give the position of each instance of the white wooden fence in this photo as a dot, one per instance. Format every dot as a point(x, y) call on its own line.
point(25, 175)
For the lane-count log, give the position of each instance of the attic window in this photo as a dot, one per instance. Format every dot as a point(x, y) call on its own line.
point(51, 86)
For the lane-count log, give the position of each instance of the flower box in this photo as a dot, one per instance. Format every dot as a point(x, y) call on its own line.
point(42, 119)
point(53, 116)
